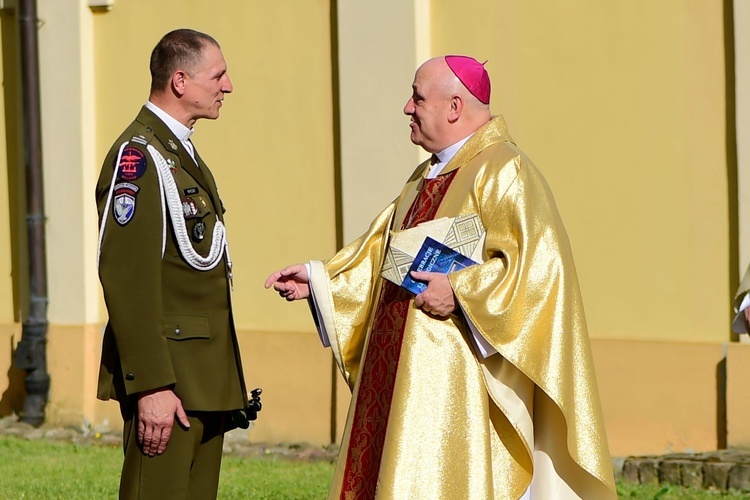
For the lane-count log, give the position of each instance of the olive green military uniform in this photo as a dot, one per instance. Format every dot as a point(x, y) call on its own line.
point(170, 325)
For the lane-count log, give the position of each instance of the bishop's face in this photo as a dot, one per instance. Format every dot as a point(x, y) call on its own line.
point(428, 109)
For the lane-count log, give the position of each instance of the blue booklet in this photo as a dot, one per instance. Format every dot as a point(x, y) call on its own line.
point(434, 257)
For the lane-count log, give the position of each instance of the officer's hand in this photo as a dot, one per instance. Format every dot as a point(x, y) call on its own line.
point(438, 298)
point(156, 411)
point(292, 282)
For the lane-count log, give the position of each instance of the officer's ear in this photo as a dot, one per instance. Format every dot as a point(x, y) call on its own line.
point(179, 81)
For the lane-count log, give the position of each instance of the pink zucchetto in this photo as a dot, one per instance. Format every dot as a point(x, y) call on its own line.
point(472, 74)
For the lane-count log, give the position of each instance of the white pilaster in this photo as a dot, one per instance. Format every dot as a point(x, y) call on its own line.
point(380, 46)
point(66, 60)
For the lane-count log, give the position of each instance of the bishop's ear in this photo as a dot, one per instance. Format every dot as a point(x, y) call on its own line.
point(456, 108)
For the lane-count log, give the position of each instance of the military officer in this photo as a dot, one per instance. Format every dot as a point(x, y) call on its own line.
point(170, 355)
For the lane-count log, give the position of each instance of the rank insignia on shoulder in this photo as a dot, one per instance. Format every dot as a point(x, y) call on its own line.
point(124, 204)
point(172, 144)
point(132, 164)
point(190, 191)
point(139, 139)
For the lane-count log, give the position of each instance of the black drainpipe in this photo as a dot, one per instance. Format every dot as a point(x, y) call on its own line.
point(31, 352)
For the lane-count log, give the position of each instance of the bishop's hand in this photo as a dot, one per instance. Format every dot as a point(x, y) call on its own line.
point(438, 298)
point(292, 282)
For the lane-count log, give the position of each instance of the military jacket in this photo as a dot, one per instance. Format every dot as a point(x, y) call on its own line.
point(170, 325)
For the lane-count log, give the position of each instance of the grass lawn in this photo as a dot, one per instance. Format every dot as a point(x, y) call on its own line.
point(54, 470)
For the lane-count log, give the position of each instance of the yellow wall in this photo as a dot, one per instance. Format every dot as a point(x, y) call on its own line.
point(272, 154)
point(375, 76)
point(74, 366)
point(6, 250)
point(12, 393)
point(741, 111)
point(660, 397)
point(272, 148)
point(295, 374)
point(12, 228)
point(68, 150)
point(738, 404)
point(621, 105)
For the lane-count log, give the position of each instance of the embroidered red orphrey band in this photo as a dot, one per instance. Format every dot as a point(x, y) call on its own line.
point(378, 374)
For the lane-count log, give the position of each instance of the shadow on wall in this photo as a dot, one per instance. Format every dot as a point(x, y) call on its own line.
point(15, 159)
point(721, 404)
point(14, 395)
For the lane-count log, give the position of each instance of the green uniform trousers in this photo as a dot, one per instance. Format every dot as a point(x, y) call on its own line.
point(188, 468)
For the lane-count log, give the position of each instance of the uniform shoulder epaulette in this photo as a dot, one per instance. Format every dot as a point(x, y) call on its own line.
point(139, 139)
point(142, 134)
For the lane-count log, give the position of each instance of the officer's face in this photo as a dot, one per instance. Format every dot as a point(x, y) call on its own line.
point(206, 86)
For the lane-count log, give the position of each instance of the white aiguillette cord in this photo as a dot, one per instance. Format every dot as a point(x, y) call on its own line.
point(105, 215)
point(171, 195)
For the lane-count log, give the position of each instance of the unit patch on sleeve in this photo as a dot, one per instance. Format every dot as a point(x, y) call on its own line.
point(132, 164)
point(124, 204)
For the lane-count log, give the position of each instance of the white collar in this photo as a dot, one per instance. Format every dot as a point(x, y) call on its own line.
point(178, 129)
point(445, 156)
point(448, 153)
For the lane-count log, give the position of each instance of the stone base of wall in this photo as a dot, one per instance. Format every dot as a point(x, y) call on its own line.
point(718, 470)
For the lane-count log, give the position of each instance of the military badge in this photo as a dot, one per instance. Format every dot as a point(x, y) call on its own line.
point(172, 144)
point(172, 165)
point(199, 231)
point(124, 204)
point(190, 191)
point(189, 208)
point(132, 164)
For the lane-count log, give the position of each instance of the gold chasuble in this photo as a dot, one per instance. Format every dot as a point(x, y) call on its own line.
point(430, 417)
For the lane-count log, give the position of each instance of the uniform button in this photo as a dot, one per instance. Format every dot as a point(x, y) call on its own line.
point(177, 331)
point(129, 376)
point(149, 129)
